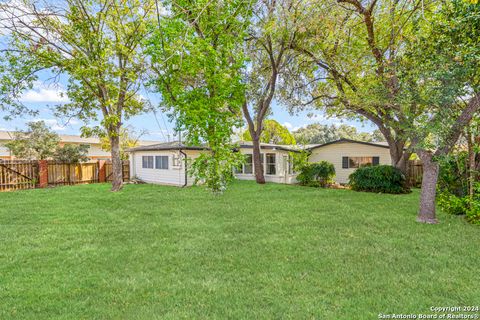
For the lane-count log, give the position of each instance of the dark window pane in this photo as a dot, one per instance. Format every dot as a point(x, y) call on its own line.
point(161, 162)
point(147, 162)
point(248, 165)
point(271, 163)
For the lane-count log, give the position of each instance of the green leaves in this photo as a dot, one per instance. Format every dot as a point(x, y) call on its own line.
point(196, 52)
point(37, 142)
point(273, 132)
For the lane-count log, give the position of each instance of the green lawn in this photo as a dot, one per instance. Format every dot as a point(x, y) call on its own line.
point(257, 252)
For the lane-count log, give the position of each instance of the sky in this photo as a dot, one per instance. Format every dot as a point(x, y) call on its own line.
point(43, 97)
point(156, 125)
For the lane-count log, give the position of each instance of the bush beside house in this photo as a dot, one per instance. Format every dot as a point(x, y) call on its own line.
point(382, 178)
point(316, 174)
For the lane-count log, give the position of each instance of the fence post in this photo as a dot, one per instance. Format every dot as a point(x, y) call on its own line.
point(42, 173)
point(102, 171)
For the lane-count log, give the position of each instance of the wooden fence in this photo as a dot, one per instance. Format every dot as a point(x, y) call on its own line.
point(415, 169)
point(60, 173)
point(109, 171)
point(22, 174)
point(18, 175)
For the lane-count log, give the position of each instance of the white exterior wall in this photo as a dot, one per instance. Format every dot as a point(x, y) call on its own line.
point(171, 176)
point(333, 153)
point(176, 175)
point(281, 175)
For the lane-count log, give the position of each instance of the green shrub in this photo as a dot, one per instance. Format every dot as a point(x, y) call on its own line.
point(453, 196)
point(453, 176)
point(383, 178)
point(317, 174)
point(451, 203)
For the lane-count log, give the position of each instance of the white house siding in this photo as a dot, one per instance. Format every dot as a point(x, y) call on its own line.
point(171, 176)
point(176, 175)
point(281, 175)
point(333, 153)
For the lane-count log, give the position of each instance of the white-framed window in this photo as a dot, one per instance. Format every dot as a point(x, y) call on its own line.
point(357, 162)
point(247, 166)
point(147, 162)
point(161, 162)
point(271, 168)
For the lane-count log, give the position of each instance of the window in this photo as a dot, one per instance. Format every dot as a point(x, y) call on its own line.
point(271, 163)
point(161, 162)
point(357, 162)
point(147, 162)
point(247, 166)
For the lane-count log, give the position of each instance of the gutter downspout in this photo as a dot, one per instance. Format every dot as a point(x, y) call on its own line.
point(186, 174)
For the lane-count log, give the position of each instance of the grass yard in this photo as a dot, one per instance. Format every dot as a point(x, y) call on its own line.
point(257, 252)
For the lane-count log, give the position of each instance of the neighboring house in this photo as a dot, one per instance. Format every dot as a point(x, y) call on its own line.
point(166, 163)
point(347, 155)
point(95, 151)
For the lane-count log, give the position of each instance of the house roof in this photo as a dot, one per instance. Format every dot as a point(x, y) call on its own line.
point(373, 144)
point(176, 145)
point(272, 146)
point(8, 135)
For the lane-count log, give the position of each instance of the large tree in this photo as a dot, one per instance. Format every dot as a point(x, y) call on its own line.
point(95, 45)
point(197, 56)
point(404, 65)
point(445, 82)
point(267, 46)
point(347, 68)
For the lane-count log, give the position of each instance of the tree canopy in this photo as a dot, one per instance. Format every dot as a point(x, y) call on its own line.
point(317, 133)
point(37, 142)
point(273, 132)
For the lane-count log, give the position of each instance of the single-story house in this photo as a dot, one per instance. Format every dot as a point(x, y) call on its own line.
point(167, 163)
point(95, 151)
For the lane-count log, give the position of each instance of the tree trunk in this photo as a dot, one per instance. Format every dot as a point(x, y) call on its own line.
point(257, 163)
point(429, 188)
point(471, 164)
point(117, 163)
